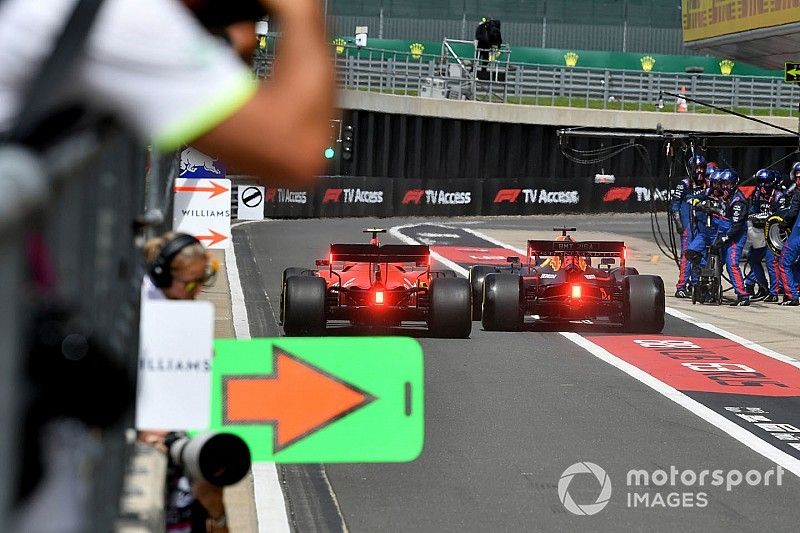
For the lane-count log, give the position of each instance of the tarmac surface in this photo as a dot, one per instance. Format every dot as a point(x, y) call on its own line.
point(508, 413)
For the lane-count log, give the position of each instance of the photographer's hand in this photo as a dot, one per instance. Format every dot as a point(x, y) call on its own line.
point(153, 438)
point(210, 497)
point(280, 133)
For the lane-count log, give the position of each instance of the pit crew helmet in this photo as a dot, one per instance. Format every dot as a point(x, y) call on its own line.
point(697, 170)
point(765, 181)
point(715, 184)
point(728, 181)
point(795, 173)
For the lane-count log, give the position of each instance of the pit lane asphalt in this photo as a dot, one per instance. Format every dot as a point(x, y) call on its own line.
point(506, 414)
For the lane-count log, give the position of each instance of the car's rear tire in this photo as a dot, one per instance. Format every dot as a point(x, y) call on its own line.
point(620, 273)
point(450, 310)
point(291, 271)
point(502, 302)
point(296, 271)
point(477, 274)
point(643, 304)
point(304, 305)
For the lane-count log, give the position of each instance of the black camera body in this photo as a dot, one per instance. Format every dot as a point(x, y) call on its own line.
point(216, 14)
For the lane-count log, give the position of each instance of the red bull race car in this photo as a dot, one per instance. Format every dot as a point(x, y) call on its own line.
point(375, 285)
point(559, 283)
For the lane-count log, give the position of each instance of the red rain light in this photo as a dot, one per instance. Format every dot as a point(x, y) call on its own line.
point(378, 297)
point(576, 292)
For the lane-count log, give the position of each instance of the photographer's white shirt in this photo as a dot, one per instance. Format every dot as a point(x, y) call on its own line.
point(147, 62)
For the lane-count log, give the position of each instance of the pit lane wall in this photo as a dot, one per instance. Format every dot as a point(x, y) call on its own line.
point(384, 197)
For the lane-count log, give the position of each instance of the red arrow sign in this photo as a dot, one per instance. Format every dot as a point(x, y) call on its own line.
point(298, 398)
point(215, 189)
point(213, 239)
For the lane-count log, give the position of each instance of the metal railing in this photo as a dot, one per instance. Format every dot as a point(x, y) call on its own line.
point(393, 72)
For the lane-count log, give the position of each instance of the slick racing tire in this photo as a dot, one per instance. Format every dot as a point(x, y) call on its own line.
point(304, 306)
point(291, 271)
point(502, 303)
point(477, 274)
point(643, 304)
point(774, 235)
point(295, 271)
point(450, 308)
point(620, 273)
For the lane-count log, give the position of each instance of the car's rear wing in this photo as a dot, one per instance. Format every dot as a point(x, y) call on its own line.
point(584, 249)
point(387, 253)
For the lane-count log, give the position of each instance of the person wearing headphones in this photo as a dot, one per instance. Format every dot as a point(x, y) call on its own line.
point(178, 266)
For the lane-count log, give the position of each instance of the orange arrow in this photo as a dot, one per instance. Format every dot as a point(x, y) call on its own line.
point(214, 238)
point(216, 189)
point(298, 398)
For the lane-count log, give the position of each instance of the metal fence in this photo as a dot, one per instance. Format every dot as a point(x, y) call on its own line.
point(73, 216)
point(393, 72)
point(649, 26)
point(616, 38)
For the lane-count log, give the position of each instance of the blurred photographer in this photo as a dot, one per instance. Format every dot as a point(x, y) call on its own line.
point(178, 266)
point(152, 66)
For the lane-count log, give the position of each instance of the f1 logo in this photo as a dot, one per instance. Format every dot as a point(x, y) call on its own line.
point(332, 195)
point(618, 194)
point(507, 195)
point(413, 196)
point(269, 196)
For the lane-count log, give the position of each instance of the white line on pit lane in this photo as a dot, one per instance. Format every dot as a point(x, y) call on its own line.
point(756, 444)
point(270, 504)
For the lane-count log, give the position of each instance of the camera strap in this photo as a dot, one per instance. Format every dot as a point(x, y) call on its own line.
point(38, 105)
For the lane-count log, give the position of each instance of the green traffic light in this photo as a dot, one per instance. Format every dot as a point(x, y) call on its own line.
point(329, 153)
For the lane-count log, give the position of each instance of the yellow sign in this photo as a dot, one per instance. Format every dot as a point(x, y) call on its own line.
point(571, 59)
point(340, 45)
point(647, 63)
point(704, 19)
point(726, 67)
point(416, 50)
point(791, 72)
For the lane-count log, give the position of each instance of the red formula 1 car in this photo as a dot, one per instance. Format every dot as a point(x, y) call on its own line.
point(559, 283)
point(375, 285)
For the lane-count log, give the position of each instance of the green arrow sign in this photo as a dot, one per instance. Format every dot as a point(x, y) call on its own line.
point(321, 400)
point(791, 72)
